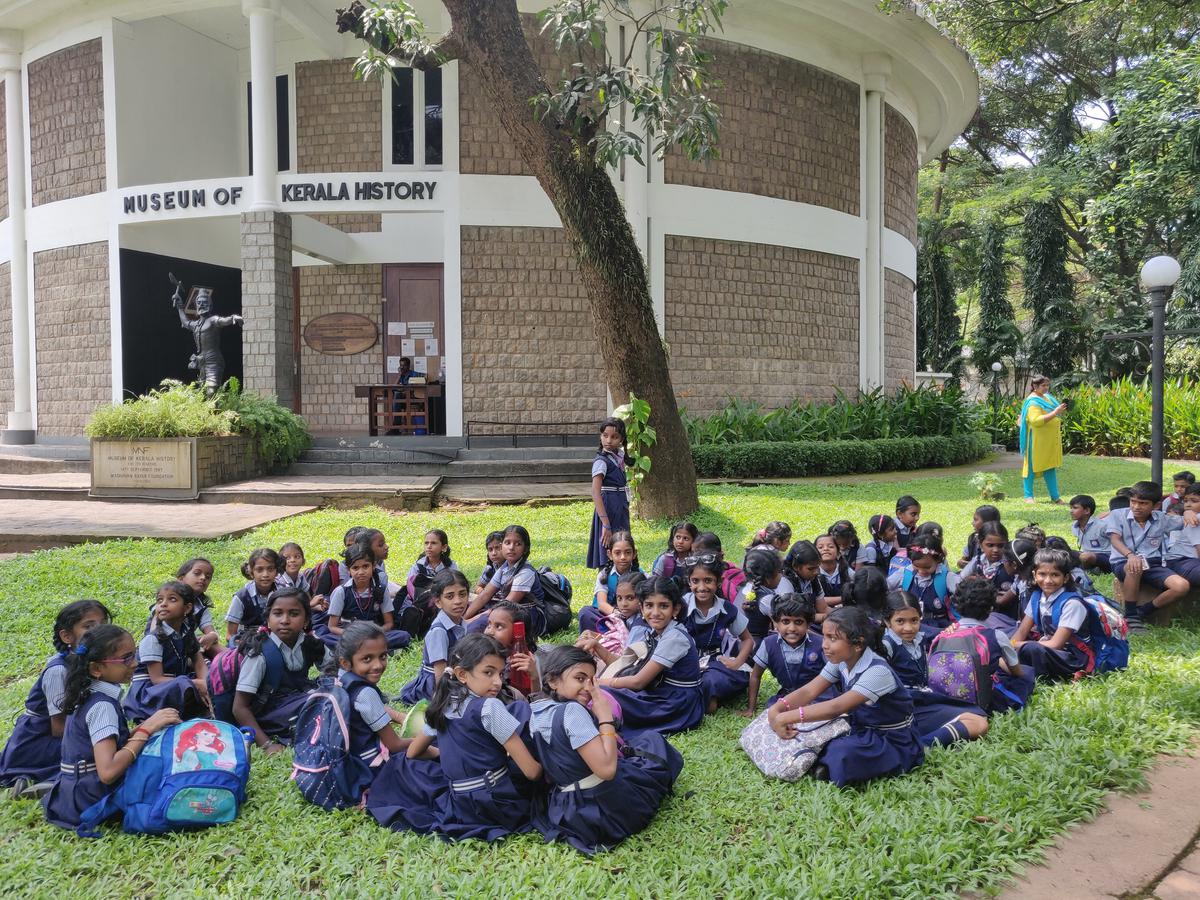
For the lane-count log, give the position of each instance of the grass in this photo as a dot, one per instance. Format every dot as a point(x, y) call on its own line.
point(966, 820)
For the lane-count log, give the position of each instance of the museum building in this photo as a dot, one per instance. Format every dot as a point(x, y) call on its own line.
point(354, 223)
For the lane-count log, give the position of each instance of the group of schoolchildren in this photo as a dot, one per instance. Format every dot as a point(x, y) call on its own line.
point(568, 740)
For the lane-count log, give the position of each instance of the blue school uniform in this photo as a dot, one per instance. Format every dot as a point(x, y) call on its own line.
point(883, 739)
point(931, 711)
point(831, 583)
point(934, 594)
point(367, 606)
point(792, 667)
point(590, 617)
point(878, 554)
point(77, 785)
point(368, 715)
point(1008, 691)
point(276, 710)
point(509, 578)
point(758, 610)
point(717, 633)
point(473, 790)
point(1061, 609)
point(176, 653)
point(668, 565)
point(32, 752)
point(247, 609)
point(590, 813)
point(614, 496)
point(443, 634)
point(676, 702)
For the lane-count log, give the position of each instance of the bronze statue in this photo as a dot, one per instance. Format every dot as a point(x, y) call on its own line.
point(196, 315)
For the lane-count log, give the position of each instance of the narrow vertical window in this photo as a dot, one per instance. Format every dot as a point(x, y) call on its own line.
point(283, 139)
point(402, 118)
point(433, 117)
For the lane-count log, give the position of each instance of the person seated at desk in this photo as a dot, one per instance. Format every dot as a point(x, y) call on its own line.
point(405, 374)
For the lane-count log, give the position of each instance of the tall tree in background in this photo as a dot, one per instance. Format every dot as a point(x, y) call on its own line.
point(600, 110)
point(938, 343)
point(1054, 342)
point(996, 335)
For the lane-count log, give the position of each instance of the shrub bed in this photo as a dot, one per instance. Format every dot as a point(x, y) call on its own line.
point(795, 459)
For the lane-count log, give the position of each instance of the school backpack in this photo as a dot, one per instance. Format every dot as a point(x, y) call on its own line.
point(960, 665)
point(732, 580)
point(323, 768)
point(222, 678)
point(323, 577)
point(556, 599)
point(1110, 633)
point(188, 776)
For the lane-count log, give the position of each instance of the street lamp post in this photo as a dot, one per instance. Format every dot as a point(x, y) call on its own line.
point(996, 367)
point(1158, 277)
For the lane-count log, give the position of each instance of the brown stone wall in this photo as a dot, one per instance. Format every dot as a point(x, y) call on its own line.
point(529, 351)
point(74, 339)
point(899, 175)
point(339, 128)
point(66, 123)
point(6, 360)
point(3, 163)
point(759, 322)
point(327, 382)
point(220, 460)
point(267, 304)
point(787, 130)
point(898, 330)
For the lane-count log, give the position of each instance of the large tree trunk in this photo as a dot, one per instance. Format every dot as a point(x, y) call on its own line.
point(489, 36)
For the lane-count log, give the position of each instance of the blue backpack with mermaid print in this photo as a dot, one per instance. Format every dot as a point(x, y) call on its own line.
point(188, 776)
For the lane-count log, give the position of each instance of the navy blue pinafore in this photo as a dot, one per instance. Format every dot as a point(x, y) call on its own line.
point(145, 697)
point(792, 676)
point(712, 638)
point(675, 703)
point(614, 495)
point(421, 687)
point(78, 785)
point(32, 751)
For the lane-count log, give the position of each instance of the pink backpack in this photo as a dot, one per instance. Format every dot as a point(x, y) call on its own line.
point(614, 639)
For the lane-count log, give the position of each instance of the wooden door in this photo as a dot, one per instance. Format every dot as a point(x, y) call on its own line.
point(412, 320)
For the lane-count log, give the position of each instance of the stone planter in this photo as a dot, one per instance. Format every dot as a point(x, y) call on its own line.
point(171, 468)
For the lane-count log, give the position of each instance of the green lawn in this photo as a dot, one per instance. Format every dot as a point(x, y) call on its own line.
point(965, 820)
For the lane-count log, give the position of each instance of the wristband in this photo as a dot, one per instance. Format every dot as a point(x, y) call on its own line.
point(609, 722)
point(144, 729)
point(783, 704)
point(801, 711)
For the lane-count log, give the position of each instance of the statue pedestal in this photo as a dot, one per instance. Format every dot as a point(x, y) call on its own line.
point(170, 468)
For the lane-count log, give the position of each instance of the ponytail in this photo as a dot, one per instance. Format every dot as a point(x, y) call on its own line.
point(98, 644)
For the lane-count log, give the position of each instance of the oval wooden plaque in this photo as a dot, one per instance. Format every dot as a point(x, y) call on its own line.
point(341, 334)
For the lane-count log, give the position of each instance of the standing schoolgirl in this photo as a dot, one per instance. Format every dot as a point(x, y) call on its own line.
point(764, 581)
point(664, 692)
point(274, 680)
point(516, 581)
point(361, 598)
point(832, 570)
point(248, 608)
point(171, 666)
point(600, 793)
point(197, 573)
point(908, 511)
point(97, 747)
point(883, 738)
point(451, 595)
point(610, 492)
point(1052, 638)
point(930, 580)
point(670, 563)
point(882, 548)
point(792, 654)
point(717, 626)
point(482, 787)
point(622, 560)
point(30, 758)
point(940, 720)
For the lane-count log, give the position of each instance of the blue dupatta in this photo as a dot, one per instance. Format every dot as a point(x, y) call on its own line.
point(1047, 404)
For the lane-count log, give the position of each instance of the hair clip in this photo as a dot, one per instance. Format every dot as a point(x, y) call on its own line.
point(81, 650)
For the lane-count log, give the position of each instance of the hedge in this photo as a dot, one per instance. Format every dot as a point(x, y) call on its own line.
point(795, 459)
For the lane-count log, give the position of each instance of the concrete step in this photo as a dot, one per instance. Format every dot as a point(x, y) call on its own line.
point(381, 470)
point(20, 464)
point(476, 454)
point(376, 454)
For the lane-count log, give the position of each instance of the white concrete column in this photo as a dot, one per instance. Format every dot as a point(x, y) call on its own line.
point(263, 127)
point(871, 350)
point(19, 429)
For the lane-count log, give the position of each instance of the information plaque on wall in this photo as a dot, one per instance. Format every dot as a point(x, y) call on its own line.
point(341, 334)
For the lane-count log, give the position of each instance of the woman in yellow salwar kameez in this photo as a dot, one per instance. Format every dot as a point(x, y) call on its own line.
point(1041, 438)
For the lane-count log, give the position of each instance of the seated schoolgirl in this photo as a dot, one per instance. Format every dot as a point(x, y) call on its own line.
point(361, 597)
point(97, 747)
point(292, 573)
point(1012, 683)
point(450, 591)
point(867, 591)
point(622, 560)
point(600, 793)
point(663, 691)
point(171, 666)
point(248, 608)
point(519, 667)
point(801, 567)
point(434, 558)
point(1083, 582)
point(362, 658)
point(983, 515)
point(516, 581)
point(31, 756)
point(764, 581)
point(494, 547)
point(274, 679)
point(374, 539)
point(845, 536)
point(940, 720)
point(930, 580)
point(1051, 638)
point(707, 548)
point(832, 570)
point(882, 548)
point(479, 785)
point(670, 563)
point(1018, 564)
point(792, 654)
point(718, 628)
point(617, 626)
point(883, 738)
point(197, 573)
point(990, 563)
point(908, 512)
point(777, 535)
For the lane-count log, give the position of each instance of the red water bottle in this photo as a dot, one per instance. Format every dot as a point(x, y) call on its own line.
point(519, 680)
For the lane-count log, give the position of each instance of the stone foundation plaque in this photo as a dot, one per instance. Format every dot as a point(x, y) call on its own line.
point(165, 468)
point(341, 334)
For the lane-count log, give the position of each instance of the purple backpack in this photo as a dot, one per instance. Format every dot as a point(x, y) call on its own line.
point(960, 665)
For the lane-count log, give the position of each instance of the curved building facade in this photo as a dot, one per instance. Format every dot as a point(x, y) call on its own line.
point(232, 146)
